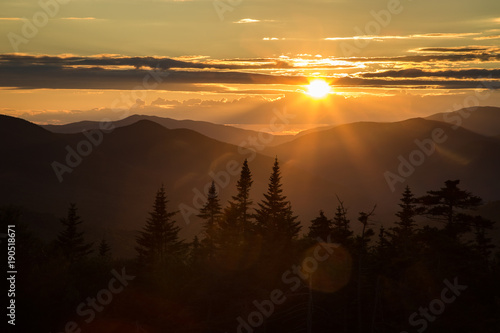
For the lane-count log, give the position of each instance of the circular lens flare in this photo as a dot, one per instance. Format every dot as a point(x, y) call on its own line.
point(327, 267)
point(318, 88)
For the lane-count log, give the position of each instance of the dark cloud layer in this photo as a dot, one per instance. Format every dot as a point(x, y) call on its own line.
point(458, 74)
point(107, 72)
point(459, 49)
point(137, 62)
point(420, 58)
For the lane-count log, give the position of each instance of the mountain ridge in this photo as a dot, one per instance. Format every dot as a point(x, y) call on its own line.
point(115, 182)
point(482, 119)
point(223, 133)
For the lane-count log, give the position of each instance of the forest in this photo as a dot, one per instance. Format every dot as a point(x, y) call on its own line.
point(256, 268)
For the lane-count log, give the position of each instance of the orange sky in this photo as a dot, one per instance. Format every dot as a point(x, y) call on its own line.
point(68, 61)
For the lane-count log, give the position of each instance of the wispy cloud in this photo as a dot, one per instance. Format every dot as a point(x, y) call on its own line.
point(365, 37)
point(445, 35)
point(272, 38)
point(247, 20)
point(487, 37)
point(250, 20)
point(453, 49)
point(467, 50)
point(459, 74)
point(414, 36)
point(79, 18)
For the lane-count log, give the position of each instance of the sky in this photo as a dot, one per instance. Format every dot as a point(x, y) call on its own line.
point(238, 61)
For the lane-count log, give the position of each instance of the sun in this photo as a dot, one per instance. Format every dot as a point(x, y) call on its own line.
point(318, 88)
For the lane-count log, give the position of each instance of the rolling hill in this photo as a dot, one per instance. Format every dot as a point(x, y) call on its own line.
point(228, 134)
point(483, 120)
point(113, 176)
point(364, 155)
point(114, 185)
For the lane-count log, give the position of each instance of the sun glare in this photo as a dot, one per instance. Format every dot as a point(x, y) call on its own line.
point(318, 88)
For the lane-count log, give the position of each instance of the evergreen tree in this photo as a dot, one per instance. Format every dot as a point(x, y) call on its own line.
point(70, 240)
point(321, 227)
point(211, 212)
point(158, 243)
point(447, 205)
point(104, 248)
point(241, 200)
point(408, 211)
point(482, 243)
point(235, 224)
point(383, 247)
point(274, 217)
point(401, 235)
point(341, 230)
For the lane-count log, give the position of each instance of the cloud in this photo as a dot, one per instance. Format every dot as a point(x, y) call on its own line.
point(196, 108)
point(79, 18)
point(399, 105)
point(33, 72)
point(444, 59)
point(126, 73)
point(412, 83)
point(247, 20)
point(250, 20)
point(108, 60)
point(458, 74)
point(445, 35)
point(414, 36)
point(487, 37)
point(365, 37)
point(161, 101)
point(457, 49)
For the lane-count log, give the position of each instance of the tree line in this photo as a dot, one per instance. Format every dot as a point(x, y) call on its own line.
point(376, 279)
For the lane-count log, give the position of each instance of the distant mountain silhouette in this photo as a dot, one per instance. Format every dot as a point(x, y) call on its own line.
point(358, 154)
point(483, 120)
point(115, 184)
point(32, 134)
point(219, 132)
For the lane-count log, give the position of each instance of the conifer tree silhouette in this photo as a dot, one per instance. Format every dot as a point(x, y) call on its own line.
point(104, 248)
point(158, 243)
point(236, 222)
point(402, 234)
point(70, 240)
point(341, 230)
point(274, 215)
point(321, 227)
point(241, 202)
point(211, 212)
point(448, 205)
point(483, 244)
